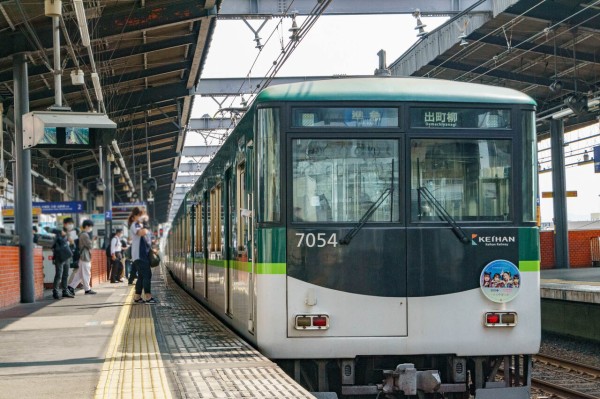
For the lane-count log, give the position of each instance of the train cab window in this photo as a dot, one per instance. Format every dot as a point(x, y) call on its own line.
point(468, 179)
point(269, 170)
point(339, 180)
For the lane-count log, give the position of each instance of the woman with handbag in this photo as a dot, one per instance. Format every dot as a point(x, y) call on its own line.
point(140, 254)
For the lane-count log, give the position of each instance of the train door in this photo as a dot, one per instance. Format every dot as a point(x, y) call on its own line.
point(251, 237)
point(227, 206)
point(206, 231)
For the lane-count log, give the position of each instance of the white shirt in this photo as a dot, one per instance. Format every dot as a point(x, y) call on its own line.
point(135, 240)
point(115, 245)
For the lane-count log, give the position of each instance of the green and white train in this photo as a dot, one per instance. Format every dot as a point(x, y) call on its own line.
point(375, 235)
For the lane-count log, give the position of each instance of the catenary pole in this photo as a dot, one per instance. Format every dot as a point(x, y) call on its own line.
point(23, 211)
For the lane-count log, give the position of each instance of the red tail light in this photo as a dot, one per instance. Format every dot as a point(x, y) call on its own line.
point(311, 322)
point(500, 319)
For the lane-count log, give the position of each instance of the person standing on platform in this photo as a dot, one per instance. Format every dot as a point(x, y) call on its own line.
point(140, 247)
point(84, 272)
point(116, 256)
point(62, 253)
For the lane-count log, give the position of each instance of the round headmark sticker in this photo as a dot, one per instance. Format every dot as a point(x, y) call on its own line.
point(500, 281)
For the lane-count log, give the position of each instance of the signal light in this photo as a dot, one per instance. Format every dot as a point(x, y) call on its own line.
point(312, 322)
point(500, 319)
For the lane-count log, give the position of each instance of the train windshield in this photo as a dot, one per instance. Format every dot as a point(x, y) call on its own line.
point(470, 179)
point(337, 180)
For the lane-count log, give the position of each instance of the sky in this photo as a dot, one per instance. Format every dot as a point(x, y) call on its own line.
point(348, 45)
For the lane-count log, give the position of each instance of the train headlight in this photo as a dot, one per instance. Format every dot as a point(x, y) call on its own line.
point(500, 319)
point(311, 322)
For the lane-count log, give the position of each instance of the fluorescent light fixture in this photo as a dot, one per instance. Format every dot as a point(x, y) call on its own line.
point(97, 86)
point(82, 22)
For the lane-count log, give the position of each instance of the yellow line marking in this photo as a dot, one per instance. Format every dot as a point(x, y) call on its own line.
point(133, 366)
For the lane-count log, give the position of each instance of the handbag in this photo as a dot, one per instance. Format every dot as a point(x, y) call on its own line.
point(154, 259)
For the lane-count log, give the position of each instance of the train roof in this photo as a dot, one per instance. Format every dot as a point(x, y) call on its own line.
point(392, 89)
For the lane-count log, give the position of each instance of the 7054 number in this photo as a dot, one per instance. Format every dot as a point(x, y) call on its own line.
point(319, 240)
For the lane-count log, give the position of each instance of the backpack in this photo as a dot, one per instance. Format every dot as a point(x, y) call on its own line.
point(62, 249)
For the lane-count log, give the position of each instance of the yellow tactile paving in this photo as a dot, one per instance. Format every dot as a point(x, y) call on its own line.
point(133, 366)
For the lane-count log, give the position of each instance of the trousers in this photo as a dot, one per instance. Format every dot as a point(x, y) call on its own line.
point(82, 275)
point(61, 275)
point(144, 277)
point(116, 269)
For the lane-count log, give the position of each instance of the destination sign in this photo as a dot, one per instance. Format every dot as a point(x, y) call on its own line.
point(452, 118)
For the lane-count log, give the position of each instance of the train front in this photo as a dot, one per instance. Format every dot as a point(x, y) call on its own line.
point(412, 254)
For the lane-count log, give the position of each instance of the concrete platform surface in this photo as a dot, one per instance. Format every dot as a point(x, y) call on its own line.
point(56, 348)
point(106, 346)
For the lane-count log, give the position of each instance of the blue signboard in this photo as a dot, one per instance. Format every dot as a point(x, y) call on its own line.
point(108, 215)
point(61, 207)
point(597, 159)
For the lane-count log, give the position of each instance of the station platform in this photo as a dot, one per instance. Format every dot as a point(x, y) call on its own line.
point(570, 302)
point(574, 284)
point(106, 346)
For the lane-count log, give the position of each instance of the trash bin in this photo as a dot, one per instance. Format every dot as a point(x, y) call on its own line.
point(595, 251)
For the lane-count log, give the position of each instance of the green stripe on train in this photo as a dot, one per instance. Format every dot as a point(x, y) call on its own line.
point(529, 265)
point(261, 268)
point(529, 243)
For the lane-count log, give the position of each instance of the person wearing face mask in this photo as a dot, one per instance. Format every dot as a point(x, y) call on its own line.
point(61, 264)
point(138, 230)
point(84, 272)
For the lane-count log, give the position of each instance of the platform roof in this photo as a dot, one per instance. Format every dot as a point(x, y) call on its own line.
point(149, 54)
point(525, 45)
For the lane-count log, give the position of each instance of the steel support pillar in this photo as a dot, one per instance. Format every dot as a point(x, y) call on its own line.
point(559, 197)
point(108, 182)
point(22, 186)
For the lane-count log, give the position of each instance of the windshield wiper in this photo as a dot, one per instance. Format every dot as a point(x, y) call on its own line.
point(443, 214)
point(368, 213)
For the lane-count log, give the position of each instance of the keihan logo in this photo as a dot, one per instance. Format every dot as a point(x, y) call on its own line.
point(493, 241)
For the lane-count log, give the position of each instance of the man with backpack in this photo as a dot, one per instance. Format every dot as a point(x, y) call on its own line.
point(62, 252)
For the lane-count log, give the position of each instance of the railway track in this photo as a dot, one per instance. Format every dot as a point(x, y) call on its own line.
point(565, 379)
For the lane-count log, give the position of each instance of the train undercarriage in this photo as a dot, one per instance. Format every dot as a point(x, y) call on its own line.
point(398, 377)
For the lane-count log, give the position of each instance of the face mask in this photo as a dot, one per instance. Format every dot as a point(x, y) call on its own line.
point(69, 227)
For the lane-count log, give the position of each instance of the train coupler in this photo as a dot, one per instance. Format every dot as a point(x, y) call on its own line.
point(407, 379)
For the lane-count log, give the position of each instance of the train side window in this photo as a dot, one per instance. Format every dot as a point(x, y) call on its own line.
point(469, 179)
point(215, 219)
point(269, 168)
point(242, 211)
point(198, 214)
point(530, 173)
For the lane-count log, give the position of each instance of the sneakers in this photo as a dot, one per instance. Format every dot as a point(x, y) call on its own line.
point(90, 292)
point(151, 300)
point(55, 295)
point(139, 300)
point(67, 294)
point(71, 290)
